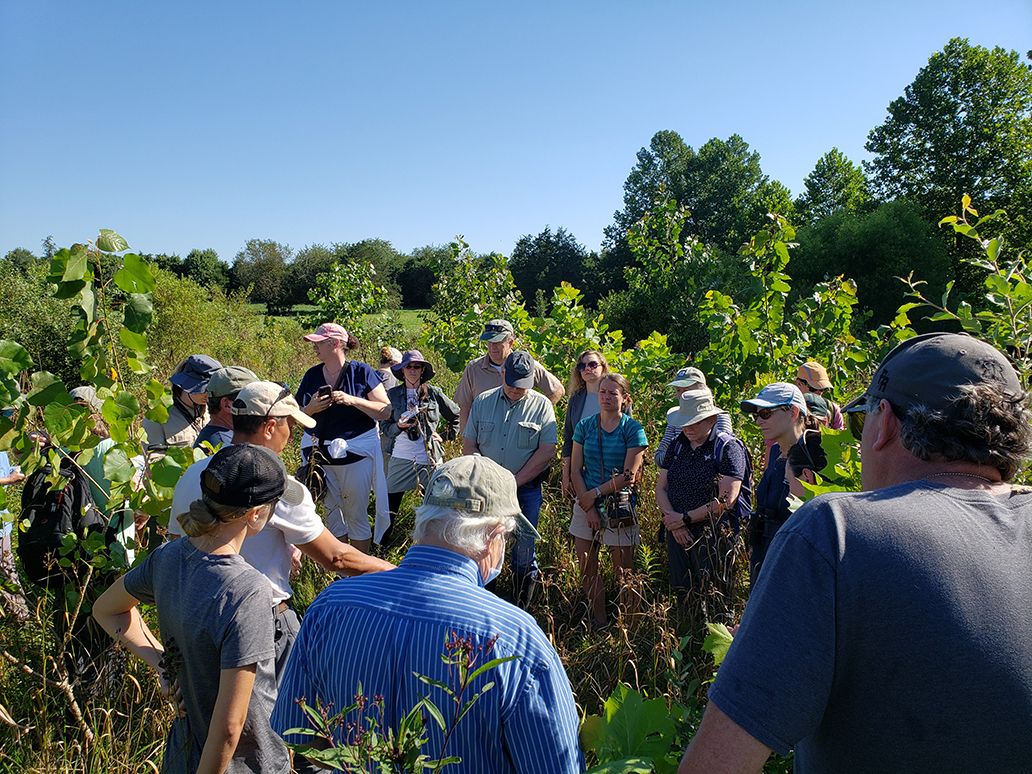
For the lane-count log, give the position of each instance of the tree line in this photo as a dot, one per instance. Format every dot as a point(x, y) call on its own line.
point(963, 126)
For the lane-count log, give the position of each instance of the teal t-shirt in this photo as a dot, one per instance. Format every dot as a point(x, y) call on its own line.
point(627, 435)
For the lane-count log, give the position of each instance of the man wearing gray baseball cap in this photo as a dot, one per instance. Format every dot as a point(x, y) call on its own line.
point(891, 629)
point(381, 634)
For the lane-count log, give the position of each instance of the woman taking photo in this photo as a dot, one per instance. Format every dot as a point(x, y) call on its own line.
point(346, 398)
point(780, 412)
point(606, 459)
point(700, 481)
point(591, 366)
point(413, 442)
point(215, 616)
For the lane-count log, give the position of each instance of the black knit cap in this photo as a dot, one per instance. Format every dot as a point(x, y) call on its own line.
point(244, 476)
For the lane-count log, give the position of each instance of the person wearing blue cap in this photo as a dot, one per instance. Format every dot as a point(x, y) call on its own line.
point(189, 410)
point(780, 413)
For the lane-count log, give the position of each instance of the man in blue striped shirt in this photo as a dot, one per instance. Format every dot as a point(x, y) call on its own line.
point(381, 630)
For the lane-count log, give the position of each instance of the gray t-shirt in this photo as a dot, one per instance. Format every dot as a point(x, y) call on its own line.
point(891, 631)
point(214, 613)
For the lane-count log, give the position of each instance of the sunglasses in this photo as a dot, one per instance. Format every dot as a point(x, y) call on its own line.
point(588, 366)
point(414, 367)
point(766, 413)
point(857, 418)
point(495, 329)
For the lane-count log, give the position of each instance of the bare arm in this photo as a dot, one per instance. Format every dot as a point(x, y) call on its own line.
point(342, 558)
point(117, 613)
point(557, 396)
point(375, 404)
point(721, 746)
point(227, 718)
point(539, 461)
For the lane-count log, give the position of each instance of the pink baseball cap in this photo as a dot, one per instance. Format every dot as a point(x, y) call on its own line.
point(328, 331)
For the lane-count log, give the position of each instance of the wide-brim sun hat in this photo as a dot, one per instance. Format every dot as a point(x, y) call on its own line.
point(774, 395)
point(414, 356)
point(693, 407)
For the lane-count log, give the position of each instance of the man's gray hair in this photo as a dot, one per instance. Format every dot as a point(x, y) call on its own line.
point(465, 531)
point(985, 425)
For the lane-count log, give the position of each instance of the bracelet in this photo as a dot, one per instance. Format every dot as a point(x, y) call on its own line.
point(597, 492)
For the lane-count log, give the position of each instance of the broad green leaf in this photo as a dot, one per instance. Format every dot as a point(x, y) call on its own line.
point(137, 342)
point(46, 389)
point(110, 242)
point(87, 302)
point(717, 642)
point(14, 358)
point(122, 408)
point(77, 264)
point(166, 471)
point(135, 276)
point(138, 312)
point(117, 467)
point(59, 419)
point(591, 736)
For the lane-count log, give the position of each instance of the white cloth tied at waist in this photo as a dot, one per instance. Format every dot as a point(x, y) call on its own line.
point(365, 445)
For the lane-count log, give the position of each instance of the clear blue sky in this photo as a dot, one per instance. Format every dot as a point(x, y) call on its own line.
point(194, 125)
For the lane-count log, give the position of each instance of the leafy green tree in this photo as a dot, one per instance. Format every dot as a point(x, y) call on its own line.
point(417, 275)
point(544, 262)
point(21, 258)
point(835, 185)
point(262, 266)
point(723, 187)
point(470, 290)
point(309, 264)
point(387, 261)
point(963, 126)
point(173, 264)
point(205, 268)
point(876, 251)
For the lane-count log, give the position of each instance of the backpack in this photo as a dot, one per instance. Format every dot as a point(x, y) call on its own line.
point(742, 508)
point(52, 514)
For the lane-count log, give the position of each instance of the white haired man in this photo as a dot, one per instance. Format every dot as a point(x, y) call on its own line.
point(379, 631)
point(891, 629)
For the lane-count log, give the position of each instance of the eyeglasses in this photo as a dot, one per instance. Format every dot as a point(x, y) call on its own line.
point(495, 329)
point(414, 367)
point(588, 366)
point(765, 413)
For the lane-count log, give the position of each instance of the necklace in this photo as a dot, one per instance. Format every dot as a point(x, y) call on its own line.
point(968, 475)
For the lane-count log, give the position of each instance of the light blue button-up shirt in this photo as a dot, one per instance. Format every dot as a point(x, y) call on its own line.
point(379, 629)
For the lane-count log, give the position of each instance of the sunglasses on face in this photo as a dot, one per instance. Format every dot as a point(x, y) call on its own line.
point(766, 413)
point(414, 367)
point(495, 329)
point(588, 366)
point(857, 418)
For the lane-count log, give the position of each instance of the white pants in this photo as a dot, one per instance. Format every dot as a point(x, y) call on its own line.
point(347, 499)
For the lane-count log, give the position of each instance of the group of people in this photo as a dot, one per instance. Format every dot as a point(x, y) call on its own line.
point(938, 546)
